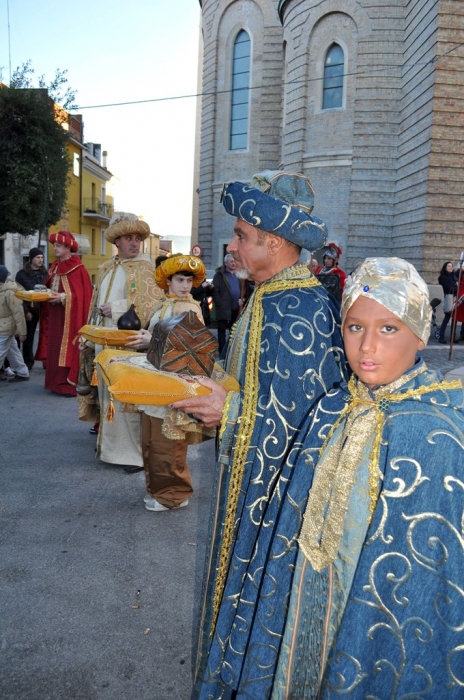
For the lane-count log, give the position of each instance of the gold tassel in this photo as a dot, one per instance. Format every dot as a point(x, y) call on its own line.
point(110, 414)
point(94, 381)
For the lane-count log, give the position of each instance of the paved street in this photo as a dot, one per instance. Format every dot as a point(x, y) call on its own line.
point(98, 596)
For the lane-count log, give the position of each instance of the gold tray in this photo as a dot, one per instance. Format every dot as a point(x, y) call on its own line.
point(32, 296)
point(101, 335)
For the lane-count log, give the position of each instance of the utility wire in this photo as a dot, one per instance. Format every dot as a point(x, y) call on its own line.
point(261, 87)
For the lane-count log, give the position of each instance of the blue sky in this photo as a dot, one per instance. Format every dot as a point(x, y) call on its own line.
point(123, 51)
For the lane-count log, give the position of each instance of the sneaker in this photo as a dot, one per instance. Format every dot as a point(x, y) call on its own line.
point(153, 504)
point(94, 429)
point(442, 341)
point(18, 378)
point(9, 372)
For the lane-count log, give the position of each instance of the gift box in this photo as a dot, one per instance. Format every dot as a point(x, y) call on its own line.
point(183, 345)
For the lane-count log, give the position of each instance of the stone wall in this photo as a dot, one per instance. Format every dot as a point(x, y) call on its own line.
point(222, 21)
point(444, 217)
point(387, 166)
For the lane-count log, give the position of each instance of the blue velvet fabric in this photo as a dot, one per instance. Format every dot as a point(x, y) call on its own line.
point(401, 633)
point(300, 360)
point(274, 215)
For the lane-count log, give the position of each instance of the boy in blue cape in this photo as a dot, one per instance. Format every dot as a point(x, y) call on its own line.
point(365, 598)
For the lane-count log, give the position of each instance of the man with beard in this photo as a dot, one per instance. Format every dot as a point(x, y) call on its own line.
point(285, 351)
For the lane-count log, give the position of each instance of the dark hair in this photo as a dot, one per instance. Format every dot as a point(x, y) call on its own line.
point(443, 270)
point(184, 273)
point(160, 259)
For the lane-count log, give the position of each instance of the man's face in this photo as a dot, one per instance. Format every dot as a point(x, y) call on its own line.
point(180, 284)
point(250, 252)
point(128, 245)
point(37, 262)
point(61, 251)
point(313, 265)
point(230, 264)
point(328, 261)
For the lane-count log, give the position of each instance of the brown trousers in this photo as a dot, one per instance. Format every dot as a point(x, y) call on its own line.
point(165, 462)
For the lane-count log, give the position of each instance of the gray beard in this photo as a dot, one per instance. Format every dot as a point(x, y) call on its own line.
point(243, 274)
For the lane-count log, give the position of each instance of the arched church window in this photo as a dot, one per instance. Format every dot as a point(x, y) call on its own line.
point(240, 92)
point(334, 68)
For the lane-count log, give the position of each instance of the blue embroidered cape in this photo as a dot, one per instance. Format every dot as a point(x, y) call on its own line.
point(286, 353)
point(387, 621)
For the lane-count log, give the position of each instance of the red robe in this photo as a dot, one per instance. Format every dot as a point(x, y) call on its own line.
point(459, 309)
point(59, 325)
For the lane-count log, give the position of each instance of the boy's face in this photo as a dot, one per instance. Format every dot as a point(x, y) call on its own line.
point(180, 284)
point(379, 347)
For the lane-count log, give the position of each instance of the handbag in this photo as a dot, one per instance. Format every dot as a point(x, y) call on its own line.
point(448, 302)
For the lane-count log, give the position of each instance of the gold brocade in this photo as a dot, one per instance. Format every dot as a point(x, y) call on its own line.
point(68, 308)
point(178, 425)
point(225, 413)
point(141, 289)
point(248, 414)
point(364, 417)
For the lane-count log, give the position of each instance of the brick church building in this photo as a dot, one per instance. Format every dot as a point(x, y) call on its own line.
point(365, 97)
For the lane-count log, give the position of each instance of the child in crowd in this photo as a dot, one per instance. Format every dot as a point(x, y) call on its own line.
point(12, 323)
point(169, 484)
point(363, 597)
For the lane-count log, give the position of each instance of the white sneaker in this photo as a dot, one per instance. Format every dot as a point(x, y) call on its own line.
point(9, 372)
point(153, 504)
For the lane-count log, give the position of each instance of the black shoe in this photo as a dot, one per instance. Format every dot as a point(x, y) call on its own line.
point(132, 469)
point(17, 378)
point(442, 341)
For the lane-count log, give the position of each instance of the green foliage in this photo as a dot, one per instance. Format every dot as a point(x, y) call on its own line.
point(21, 78)
point(34, 163)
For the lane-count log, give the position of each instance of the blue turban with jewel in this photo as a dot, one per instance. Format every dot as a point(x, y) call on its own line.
point(279, 203)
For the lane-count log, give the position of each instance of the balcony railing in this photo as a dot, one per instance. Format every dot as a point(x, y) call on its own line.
point(94, 207)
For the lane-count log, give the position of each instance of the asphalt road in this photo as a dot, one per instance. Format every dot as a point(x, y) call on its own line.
point(98, 596)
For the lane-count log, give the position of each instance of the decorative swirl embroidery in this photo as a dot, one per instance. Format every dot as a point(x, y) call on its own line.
point(249, 414)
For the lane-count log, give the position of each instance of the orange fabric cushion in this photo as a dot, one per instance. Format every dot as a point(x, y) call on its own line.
point(106, 336)
point(132, 379)
point(32, 296)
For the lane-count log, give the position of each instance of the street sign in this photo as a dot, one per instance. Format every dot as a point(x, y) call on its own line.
point(196, 250)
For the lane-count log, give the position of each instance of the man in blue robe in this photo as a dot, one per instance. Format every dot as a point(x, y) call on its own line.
point(285, 351)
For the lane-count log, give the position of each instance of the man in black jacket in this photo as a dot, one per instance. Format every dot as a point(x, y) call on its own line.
point(34, 272)
point(226, 295)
